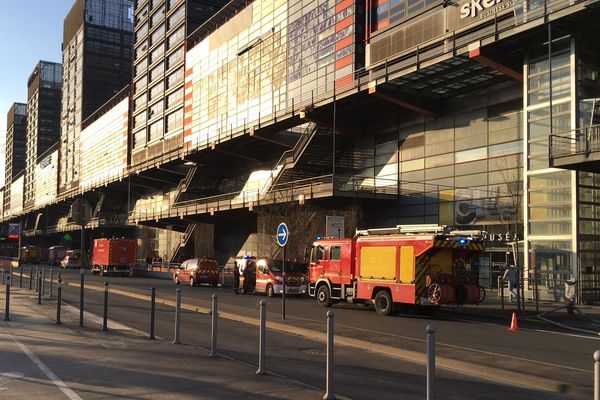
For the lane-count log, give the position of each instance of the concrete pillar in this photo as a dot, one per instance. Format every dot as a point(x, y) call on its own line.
point(204, 240)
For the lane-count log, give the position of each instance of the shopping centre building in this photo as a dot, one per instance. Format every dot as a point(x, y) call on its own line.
point(478, 114)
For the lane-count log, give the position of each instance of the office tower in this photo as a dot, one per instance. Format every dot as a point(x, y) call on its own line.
point(43, 123)
point(161, 29)
point(97, 41)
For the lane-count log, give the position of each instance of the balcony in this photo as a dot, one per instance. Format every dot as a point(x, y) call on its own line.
point(577, 150)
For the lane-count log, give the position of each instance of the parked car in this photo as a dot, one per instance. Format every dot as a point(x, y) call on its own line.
point(196, 271)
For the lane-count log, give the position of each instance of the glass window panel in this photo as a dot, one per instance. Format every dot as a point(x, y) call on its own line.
point(506, 149)
point(471, 155)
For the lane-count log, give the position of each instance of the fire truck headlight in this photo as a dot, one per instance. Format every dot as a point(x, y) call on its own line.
point(278, 279)
point(462, 241)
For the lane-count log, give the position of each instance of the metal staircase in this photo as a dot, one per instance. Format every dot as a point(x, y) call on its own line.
point(184, 184)
point(313, 156)
point(189, 231)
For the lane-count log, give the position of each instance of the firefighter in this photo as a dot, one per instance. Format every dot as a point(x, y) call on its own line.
point(236, 279)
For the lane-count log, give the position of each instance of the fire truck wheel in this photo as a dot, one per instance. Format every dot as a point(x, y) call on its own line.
point(383, 303)
point(323, 296)
point(176, 280)
point(192, 282)
point(101, 271)
point(270, 291)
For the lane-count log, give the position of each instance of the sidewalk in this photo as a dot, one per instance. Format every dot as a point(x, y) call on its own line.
point(39, 359)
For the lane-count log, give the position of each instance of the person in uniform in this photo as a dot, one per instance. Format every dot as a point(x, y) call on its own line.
point(236, 279)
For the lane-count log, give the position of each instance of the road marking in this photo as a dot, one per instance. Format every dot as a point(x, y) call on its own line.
point(10, 376)
point(53, 378)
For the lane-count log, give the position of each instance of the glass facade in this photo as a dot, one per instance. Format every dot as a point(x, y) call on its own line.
point(551, 193)
point(588, 201)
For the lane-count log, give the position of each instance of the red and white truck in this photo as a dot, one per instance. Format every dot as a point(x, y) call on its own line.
point(265, 275)
point(114, 256)
point(419, 265)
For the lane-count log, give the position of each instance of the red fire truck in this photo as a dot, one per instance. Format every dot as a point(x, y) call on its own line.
point(420, 265)
point(117, 256)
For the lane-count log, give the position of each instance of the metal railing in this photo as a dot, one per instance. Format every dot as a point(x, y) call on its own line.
point(579, 141)
point(303, 189)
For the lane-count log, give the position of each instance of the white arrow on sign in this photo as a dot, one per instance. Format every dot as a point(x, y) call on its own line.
point(283, 235)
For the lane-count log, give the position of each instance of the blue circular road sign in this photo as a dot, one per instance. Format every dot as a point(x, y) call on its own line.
point(282, 234)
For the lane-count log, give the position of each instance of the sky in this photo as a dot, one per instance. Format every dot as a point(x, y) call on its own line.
point(30, 30)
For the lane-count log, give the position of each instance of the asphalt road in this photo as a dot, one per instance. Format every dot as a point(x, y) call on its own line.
point(536, 349)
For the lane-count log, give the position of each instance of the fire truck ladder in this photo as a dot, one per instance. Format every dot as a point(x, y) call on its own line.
point(425, 228)
point(189, 231)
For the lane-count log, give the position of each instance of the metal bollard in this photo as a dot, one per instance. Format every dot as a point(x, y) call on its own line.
point(262, 340)
point(177, 315)
point(2, 275)
point(81, 292)
point(597, 375)
point(58, 298)
point(105, 316)
point(152, 312)
point(7, 305)
point(43, 281)
point(37, 281)
point(430, 361)
point(39, 285)
point(329, 391)
point(20, 276)
point(30, 276)
point(213, 330)
point(51, 282)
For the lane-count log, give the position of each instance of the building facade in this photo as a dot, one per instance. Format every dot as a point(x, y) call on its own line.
point(44, 89)
point(161, 29)
point(16, 136)
point(97, 48)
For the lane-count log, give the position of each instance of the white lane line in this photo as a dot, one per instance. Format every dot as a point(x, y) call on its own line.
point(53, 378)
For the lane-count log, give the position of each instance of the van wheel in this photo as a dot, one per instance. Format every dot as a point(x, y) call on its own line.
point(323, 296)
point(192, 282)
point(384, 304)
point(270, 291)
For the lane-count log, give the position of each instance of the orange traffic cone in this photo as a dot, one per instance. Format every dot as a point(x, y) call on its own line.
point(513, 323)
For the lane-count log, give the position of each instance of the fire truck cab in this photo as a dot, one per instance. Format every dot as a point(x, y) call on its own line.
point(420, 265)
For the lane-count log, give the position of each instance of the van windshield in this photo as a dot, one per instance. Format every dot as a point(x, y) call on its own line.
point(292, 267)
